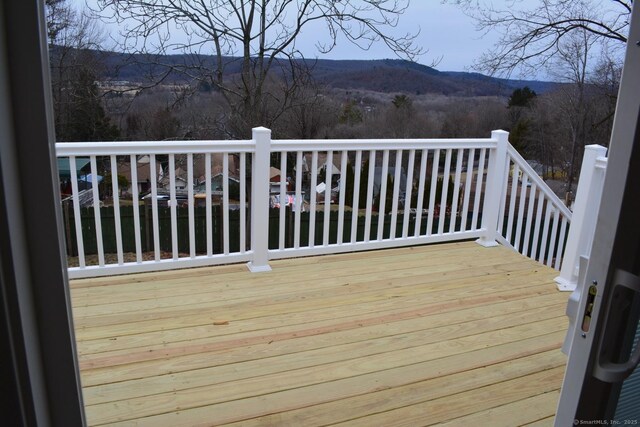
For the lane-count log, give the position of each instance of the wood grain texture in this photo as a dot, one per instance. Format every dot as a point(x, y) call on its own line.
point(467, 334)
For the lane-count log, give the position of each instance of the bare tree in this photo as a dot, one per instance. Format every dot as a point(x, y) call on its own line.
point(253, 42)
point(531, 38)
point(75, 61)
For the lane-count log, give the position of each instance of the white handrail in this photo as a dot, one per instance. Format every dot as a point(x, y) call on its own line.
point(535, 178)
point(380, 144)
point(86, 149)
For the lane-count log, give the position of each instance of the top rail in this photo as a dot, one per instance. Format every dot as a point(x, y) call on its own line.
point(64, 149)
point(381, 144)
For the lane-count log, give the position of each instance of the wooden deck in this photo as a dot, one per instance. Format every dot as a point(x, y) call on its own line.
point(452, 334)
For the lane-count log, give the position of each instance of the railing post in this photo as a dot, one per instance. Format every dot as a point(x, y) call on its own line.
point(493, 189)
point(583, 219)
point(260, 200)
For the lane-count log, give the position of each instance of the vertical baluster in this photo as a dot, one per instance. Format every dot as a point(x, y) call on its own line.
point(173, 209)
point(313, 197)
point(208, 213)
point(343, 188)
point(371, 177)
point(396, 195)
point(298, 200)
point(559, 254)
point(154, 206)
point(356, 197)
point(383, 193)
point(545, 232)
point(445, 191)
point(77, 219)
point(512, 201)
point(432, 190)
point(283, 199)
point(538, 223)
point(327, 198)
point(456, 192)
point(191, 207)
point(467, 189)
point(554, 235)
point(503, 198)
point(408, 194)
point(243, 202)
point(116, 208)
point(421, 183)
point(523, 200)
point(225, 202)
point(527, 233)
point(478, 192)
point(136, 206)
point(96, 210)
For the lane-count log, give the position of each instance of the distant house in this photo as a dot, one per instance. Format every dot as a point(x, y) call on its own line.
point(180, 179)
point(64, 172)
point(274, 180)
point(217, 186)
point(538, 167)
point(143, 173)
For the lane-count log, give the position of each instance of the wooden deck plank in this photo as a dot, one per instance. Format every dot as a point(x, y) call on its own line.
point(155, 278)
point(288, 283)
point(342, 348)
point(389, 398)
point(163, 350)
point(443, 409)
point(266, 349)
point(522, 412)
point(322, 373)
point(285, 324)
point(409, 295)
point(339, 285)
point(205, 291)
point(546, 422)
point(164, 318)
point(365, 336)
point(302, 398)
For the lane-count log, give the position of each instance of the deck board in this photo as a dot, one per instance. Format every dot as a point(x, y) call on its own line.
point(369, 338)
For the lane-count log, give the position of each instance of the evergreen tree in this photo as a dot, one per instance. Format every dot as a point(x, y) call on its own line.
point(522, 97)
point(84, 118)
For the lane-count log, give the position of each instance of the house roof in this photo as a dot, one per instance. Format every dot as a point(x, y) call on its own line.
point(64, 168)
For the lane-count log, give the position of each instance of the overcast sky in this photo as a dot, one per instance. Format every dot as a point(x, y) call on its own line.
point(446, 34)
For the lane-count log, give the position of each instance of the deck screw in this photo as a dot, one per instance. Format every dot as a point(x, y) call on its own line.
point(594, 282)
point(583, 335)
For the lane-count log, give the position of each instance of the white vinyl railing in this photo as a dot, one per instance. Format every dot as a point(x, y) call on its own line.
point(585, 208)
point(400, 192)
point(533, 220)
point(154, 160)
point(521, 211)
point(332, 196)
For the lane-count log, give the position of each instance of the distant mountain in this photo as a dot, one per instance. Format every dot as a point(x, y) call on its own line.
point(392, 75)
point(384, 75)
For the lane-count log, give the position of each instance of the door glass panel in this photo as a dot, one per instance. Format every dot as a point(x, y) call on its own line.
point(628, 408)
